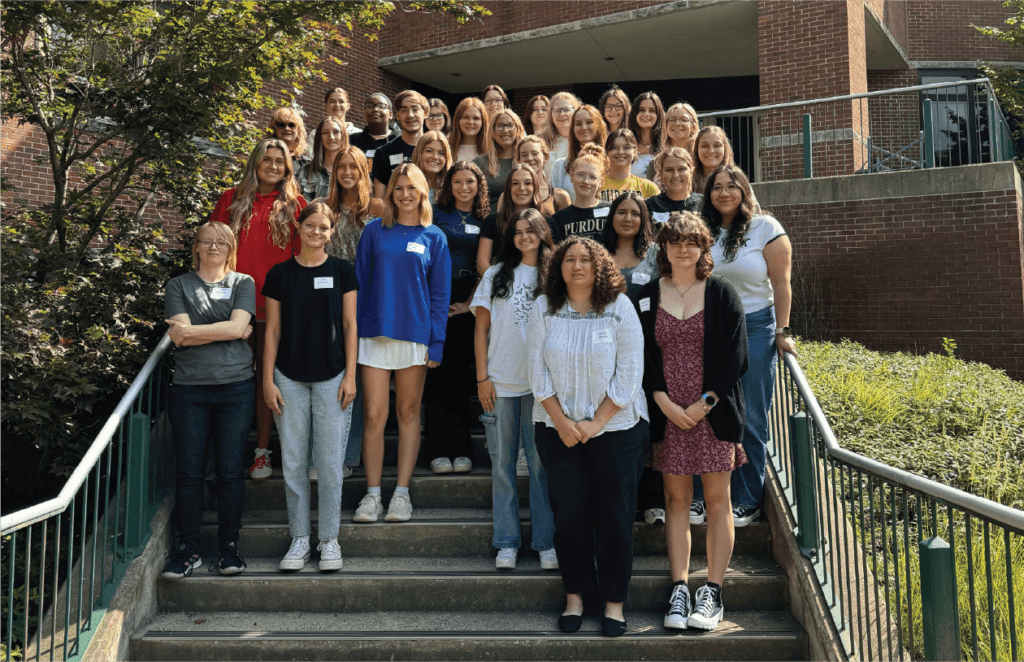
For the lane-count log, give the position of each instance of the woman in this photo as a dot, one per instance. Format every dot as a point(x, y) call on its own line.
point(520, 193)
point(681, 126)
point(309, 369)
point(621, 149)
point(713, 150)
point(587, 215)
point(753, 253)
point(501, 306)
point(630, 240)
point(645, 121)
point(494, 99)
point(261, 212)
point(587, 127)
point(438, 118)
point(462, 206)
point(586, 366)
point(614, 107)
point(533, 151)
point(314, 178)
point(563, 105)
point(213, 395)
point(433, 157)
point(506, 131)
point(674, 168)
point(404, 275)
point(336, 105)
point(286, 125)
point(695, 350)
point(537, 117)
point(471, 133)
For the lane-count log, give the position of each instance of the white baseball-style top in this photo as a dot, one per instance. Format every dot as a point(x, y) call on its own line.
point(748, 270)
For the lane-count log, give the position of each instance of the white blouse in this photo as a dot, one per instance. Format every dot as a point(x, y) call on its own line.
point(584, 358)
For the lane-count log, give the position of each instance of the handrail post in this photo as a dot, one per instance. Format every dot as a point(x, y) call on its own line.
point(929, 139)
point(938, 601)
point(136, 522)
point(803, 483)
point(993, 142)
point(808, 165)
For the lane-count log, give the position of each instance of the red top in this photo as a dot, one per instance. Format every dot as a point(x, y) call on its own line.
point(257, 252)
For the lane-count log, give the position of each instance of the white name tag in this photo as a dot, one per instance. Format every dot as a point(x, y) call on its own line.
point(396, 159)
point(220, 293)
point(601, 212)
point(323, 283)
point(370, 153)
point(472, 229)
point(413, 247)
point(640, 278)
point(645, 304)
point(661, 216)
point(603, 335)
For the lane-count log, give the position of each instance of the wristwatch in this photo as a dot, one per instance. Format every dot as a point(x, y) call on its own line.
point(784, 331)
point(707, 402)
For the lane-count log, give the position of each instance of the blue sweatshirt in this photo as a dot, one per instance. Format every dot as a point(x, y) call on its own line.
point(404, 277)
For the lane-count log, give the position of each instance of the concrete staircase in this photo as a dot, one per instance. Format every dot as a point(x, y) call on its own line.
point(427, 590)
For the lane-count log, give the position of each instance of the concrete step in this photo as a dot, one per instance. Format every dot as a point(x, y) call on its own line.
point(505, 635)
point(452, 584)
point(449, 532)
point(480, 456)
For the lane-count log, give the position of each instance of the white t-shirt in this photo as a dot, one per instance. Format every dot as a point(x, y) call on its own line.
point(748, 270)
point(466, 153)
point(559, 178)
point(507, 367)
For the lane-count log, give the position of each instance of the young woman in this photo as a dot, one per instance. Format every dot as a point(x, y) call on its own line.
point(533, 151)
point(621, 149)
point(286, 125)
point(537, 117)
point(563, 105)
point(494, 99)
point(753, 253)
point(645, 121)
point(433, 157)
point(614, 107)
point(501, 305)
point(586, 366)
point(213, 396)
point(696, 353)
point(713, 149)
point(587, 215)
point(261, 212)
point(674, 168)
point(471, 133)
point(309, 382)
point(587, 127)
point(520, 193)
point(336, 105)
point(404, 272)
point(462, 206)
point(314, 177)
point(681, 126)
point(438, 118)
point(506, 131)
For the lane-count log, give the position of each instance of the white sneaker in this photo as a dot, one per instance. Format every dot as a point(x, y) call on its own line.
point(522, 466)
point(297, 555)
point(441, 465)
point(330, 555)
point(678, 608)
point(260, 469)
point(346, 471)
point(706, 615)
point(369, 509)
point(548, 559)
point(506, 559)
point(697, 513)
point(399, 509)
point(313, 475)
point(462, 465)
point(654, 516)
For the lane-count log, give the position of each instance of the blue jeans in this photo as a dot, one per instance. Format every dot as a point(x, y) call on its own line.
point(510, 423)
point(312, 415)
point(220, 414)
point(354, 448)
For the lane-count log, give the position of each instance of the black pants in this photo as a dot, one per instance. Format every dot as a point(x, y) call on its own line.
point(592, 488)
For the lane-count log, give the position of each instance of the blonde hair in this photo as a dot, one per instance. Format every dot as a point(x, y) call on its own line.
point(282, 214)
point(337, 194)
point(673, 152)
point(666, 140)
point(483, 137)
point(419, 182)
point(300, 128)
point(576, 103)
point(492, 148)
point(223, 232)
point(427, 138)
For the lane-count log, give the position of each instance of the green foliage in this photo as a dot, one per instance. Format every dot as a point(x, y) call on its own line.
point(1008, 82)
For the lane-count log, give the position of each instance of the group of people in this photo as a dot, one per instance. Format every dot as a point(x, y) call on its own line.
point(607, 271)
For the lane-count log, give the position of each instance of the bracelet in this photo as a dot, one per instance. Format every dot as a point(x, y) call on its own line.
point(484, 380)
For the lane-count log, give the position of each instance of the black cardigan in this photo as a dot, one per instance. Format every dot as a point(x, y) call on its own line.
point(725, 357)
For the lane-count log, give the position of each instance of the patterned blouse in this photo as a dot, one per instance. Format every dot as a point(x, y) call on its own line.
point(346, 236)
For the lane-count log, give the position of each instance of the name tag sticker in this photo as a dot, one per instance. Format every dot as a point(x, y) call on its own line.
point(370, 153)
point(645, 304)
point(323, 283)
point(640, 278)
point(601, 212)
point(413, 247)
point(661, 216)
point(220, 293)
point(602, 336)
point(395, 159)
point(472, 229)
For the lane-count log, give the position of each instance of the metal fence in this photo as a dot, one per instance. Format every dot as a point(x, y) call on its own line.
point(63, 559)
point(910, 568)
point(924, 126)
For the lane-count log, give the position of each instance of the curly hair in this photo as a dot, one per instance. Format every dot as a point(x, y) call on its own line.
point(659, 111)
point(741, 223)
point(608, 281)
point(445, 199)
point(284, 114)
point(510, 257)
point(645, 234)
point(683, 225)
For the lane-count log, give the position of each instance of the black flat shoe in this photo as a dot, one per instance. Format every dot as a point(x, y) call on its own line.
point(612, 627)
point(569, 622)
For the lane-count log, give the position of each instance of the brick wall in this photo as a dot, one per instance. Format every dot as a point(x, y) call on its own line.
point(893, 15)
point(941, 31)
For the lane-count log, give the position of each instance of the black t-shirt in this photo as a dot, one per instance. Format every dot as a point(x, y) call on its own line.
point(489, 230)
point(395, 153)
point(662, 205)
point(364, 141)
point(584, 222)
point(312, 347)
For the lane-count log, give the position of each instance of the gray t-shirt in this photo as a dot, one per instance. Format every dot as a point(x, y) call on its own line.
point(224, 361)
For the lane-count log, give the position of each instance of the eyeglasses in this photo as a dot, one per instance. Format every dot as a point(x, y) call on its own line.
point(504, 127)
point(436, 118)
point(584, 177)
point(493, 102)
point(285, 125)
point(221, 244)
point(377, 106)
point(618, 107)
point(563, 110)
point(722, 189)
point(678, 120)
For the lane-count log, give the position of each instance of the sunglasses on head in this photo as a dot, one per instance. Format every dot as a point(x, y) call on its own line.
point(285, 125)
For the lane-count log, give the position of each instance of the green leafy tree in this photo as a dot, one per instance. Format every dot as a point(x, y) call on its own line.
point(1008, 82)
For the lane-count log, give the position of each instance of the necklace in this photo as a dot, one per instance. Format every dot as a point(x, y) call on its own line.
point(464, 216)
point(682, 295)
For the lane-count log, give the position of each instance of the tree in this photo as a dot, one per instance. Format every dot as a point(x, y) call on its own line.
point(1008, 82)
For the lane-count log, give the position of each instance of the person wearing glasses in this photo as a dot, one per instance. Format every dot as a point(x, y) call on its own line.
point(674, 168)
point(681, 127)
point(506, 131)
point(212, 398)
point(377, 131)
point(471, 132)
point(615, 108)
point(621, 149)
point(494, 99)
point(314, 178)
point(563, 105)
point(438, 118)
point(587, 215)
point(533, 151)
point(461, 208)
point(587, 127)
point(336, 105)
point(645, 121)
point(411, 108)
point(286, 125)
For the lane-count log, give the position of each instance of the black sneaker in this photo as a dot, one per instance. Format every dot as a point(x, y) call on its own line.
point(744, 515)
point(181, 563)
point(678, 607)
point(708, 610)
point(229, 561)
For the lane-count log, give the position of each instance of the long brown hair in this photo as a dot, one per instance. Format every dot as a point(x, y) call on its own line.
point(741, 223)
point(483, 138)
point(600, 134)
point(337, 195)
point(543, 131)
point(508, 208)
point(659, 111)
point(319, 152)
point(493, 166)
point(608, 280)
point(282, 214)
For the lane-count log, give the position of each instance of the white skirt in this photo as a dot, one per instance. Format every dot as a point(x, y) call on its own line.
point(390, 354)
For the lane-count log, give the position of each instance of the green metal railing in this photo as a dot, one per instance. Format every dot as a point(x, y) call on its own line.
point(63, 559)
point(910, 568)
